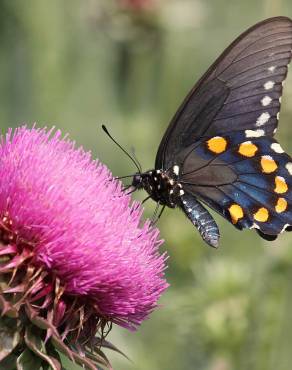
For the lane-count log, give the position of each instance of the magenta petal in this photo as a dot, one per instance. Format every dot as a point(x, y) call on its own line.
point(8, 249)
point(81, 227)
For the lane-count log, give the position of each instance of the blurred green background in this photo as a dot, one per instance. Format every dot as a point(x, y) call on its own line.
point(128, 64)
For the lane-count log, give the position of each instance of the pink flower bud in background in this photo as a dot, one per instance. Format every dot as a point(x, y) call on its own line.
point(137, 5)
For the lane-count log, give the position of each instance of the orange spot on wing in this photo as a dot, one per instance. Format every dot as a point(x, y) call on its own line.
point(247, 149)
point(268, 164)
point(280, 185)
point(281, 205)
point(261, 215)
point(236, 213)
point(217, 144)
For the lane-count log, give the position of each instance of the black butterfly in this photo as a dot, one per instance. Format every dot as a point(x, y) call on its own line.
point(219, 147)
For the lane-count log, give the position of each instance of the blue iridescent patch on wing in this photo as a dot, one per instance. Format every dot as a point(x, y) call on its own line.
point(246, 179)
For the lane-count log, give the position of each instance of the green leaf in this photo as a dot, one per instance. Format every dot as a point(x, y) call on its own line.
point(105, 344)
point(61, 347)
point(51, 350)
point(9, 362)
point(9, 336)
point(99, 359)
point(75, 357)
point(38, 321)
point(80, 360)
point(45, 366)
point(37, 345)
point(3, 281)
point(28, 361)
point(7, 309)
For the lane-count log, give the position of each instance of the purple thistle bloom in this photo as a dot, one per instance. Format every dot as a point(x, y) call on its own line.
point(67, 218)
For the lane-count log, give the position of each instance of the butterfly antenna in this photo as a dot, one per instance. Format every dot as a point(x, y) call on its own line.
point(124, 150)
point(136, 159)
point(124, 177)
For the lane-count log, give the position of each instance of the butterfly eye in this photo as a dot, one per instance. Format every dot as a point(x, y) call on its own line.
point(137, 181)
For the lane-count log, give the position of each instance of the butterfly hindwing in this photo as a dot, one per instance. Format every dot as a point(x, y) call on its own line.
point(240, 91)
point(247, 180)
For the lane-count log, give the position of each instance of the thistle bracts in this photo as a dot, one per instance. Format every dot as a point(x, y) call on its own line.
point(38, 318)
point(74, 258)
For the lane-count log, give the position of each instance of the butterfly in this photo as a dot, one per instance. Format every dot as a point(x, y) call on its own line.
point(219, 148)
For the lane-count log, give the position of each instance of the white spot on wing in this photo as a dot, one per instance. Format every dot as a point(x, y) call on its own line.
point(189, 210)
point(284, 228)
point(272, 68)
point(181, 192)
point(269, 85)
point(176, 169)
point(278, 115)
point(266, 100)
point(254, 133)
point(280, 178)
point(289, 167)
point(268, 157)
point(263, 118)
point(254, 226)
point(276, 147)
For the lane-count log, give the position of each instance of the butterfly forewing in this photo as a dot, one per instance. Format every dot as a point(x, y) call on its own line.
point(221, 138)
point(240, 91)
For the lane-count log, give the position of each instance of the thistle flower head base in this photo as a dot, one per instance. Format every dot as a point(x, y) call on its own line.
point(43, 312)
point(74, 258)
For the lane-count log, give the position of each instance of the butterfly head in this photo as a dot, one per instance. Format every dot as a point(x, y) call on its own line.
point(137, 181)
point(144, 180)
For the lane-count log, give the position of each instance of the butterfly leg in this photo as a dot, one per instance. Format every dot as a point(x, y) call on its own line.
point(201, 219)
point(154, 217)
point(160, 213)
point(131, 191)
point(145, 200)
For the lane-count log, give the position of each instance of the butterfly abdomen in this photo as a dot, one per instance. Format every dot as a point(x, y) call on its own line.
point(201, 219)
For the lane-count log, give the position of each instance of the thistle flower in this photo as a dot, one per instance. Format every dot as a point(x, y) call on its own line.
point(73, 256)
